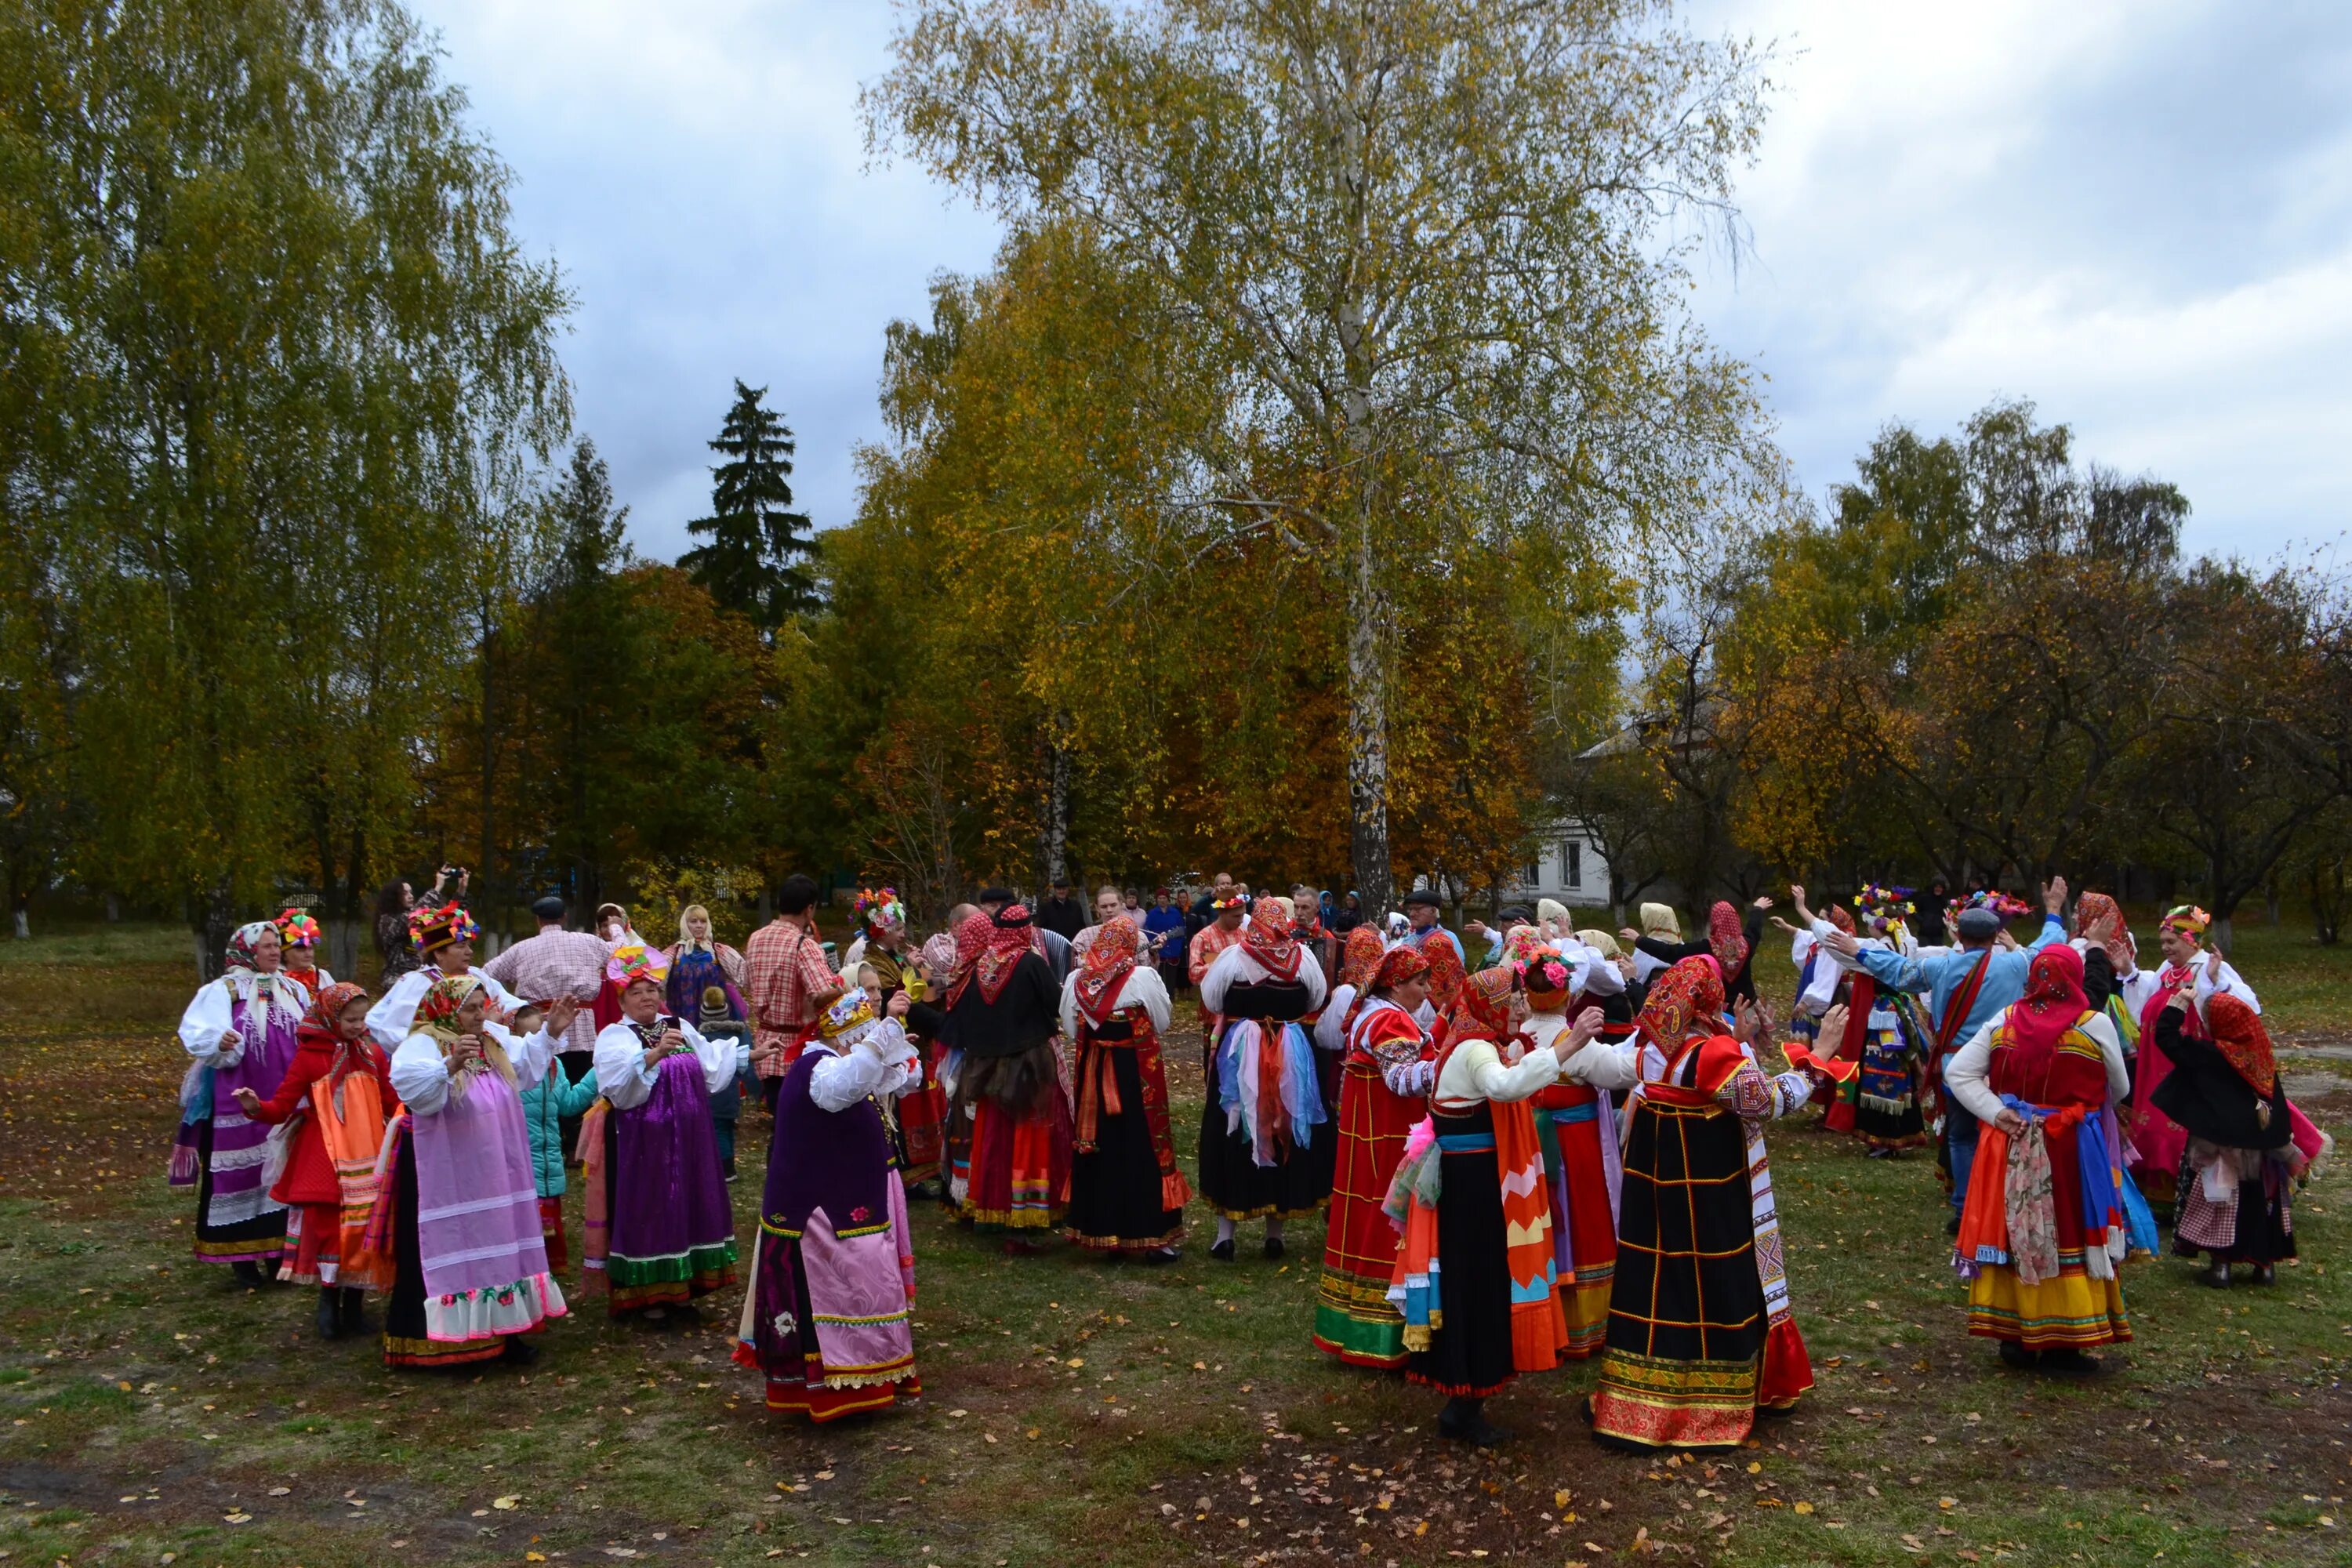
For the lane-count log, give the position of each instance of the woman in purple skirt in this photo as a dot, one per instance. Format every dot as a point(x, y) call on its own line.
point(239, 1030)
point(652, 1165)
point(829, 1318)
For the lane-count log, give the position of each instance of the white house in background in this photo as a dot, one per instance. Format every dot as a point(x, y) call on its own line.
point(1569, 866)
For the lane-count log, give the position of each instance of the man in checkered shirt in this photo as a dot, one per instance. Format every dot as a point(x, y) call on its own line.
point(788, 985)
point(557, 962)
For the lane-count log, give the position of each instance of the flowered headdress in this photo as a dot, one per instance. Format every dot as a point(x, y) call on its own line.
point(1110, 959)
point(1361, 957)
point(630, 962)
point(2189, 920)
point(1269, 938)
point(1547, 978)
point(1398, 965)
point(1878, 901)
point(1236, 900)
point(297, 929)
point(243, 940)
point(1524, 945)
point(845, 1022)
point(1994, 899)
point(434, 929)
point(879, 910)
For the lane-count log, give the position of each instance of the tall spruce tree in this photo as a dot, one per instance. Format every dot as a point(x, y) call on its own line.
point(756, 562)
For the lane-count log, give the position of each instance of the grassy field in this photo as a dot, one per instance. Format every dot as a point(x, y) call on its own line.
point(151, 1411)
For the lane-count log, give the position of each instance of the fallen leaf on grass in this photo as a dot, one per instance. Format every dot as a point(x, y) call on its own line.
point(1948, 1502)
point(508, 1502)
point(237, 1518)
point(1804, 1507)
point(279, 1491)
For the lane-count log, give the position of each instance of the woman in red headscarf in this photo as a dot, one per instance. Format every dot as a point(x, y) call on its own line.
point(2043, 1226)
point(1002, 1013)
point(329, 1112)
point(1731, 941)
point(1384, 1074)
point(1265, 1107)
point(1701, 1335)
point(1126, 1192)
point(1475, 1278)
point(2237, 1168)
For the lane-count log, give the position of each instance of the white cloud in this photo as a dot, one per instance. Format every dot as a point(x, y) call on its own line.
point(2136, 212)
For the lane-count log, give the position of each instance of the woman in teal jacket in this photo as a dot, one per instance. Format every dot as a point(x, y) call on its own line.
point(546, 1105)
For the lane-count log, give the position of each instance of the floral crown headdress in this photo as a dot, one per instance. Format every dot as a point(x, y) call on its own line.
point(879, 908)
point(297, 929)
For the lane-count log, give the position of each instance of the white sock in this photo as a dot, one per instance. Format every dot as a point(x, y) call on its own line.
point(1225, 1228)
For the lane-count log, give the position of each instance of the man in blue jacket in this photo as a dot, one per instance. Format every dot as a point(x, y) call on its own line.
point(1966, 987)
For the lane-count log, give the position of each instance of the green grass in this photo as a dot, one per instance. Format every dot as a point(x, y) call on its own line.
point(1077, 1411)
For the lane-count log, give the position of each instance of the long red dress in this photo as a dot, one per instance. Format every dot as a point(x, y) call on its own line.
point(1353, 1319)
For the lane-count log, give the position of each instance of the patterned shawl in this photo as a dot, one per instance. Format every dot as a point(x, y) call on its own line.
point(324, 1022)
point(1361, 957)
point(1271, 938)
point(1398, 965)
point(1446, 975)
point(1724, 937)
point(1483, 1009)
point(1685, 996)
point(2092, 908)
point(994, 944)
point(1110, 959)
point(2239, 1035)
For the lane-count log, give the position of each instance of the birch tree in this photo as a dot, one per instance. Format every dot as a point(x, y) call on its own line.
point(1435, 249)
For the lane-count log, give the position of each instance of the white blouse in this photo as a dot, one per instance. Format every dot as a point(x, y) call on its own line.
point(205, 1026)
point(624, 1078)
point(1144, 989)
point(881, 1064)
point(1474, 1071)
point(422, 1079)
point(390, 1018)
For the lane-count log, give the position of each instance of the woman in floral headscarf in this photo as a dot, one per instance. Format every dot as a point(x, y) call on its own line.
point(1265, 1103)
point(331, 1108)
point(1127, 1193)
point(239, 1032)
point(2044, 1222)
point(1701, 1334)
point(455, 1206)
point(2158, 1141)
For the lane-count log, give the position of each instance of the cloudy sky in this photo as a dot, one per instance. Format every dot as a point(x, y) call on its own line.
point(2137, 215)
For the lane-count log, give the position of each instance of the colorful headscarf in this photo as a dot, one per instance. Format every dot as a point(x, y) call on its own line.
point(443, 997)
point(1524, 945)
point(1687, 997)
point(2053, 1003)
point(1724, 937)
point(296, 928)
point(2239, 1035)
point(434, 929)
point(1269, 938)
point(1660, 921)
point(631, 961)
point(243, 940)
point(2004, 907)
point(1446, 971)
point(1842, 920)
point(1361, 957)
point(1110, 959)
point(2092, 908)
point(989, 948)
point(1398, 965)
point(1482, 1010)
point(324, 1022)
point(2189, 920)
